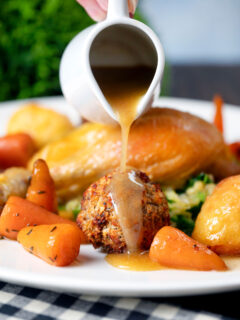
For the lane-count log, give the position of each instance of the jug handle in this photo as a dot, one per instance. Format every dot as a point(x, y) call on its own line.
point(117, 9)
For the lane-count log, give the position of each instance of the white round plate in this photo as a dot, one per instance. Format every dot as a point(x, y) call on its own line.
point(90, 273)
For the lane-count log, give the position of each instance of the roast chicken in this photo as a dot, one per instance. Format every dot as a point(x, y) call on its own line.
point(166, 144)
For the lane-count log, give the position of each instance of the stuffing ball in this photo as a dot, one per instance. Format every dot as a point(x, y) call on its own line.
point(99, 221)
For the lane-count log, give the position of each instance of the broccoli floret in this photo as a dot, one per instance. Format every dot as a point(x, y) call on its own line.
point(73, 206)
point(184, 223)
point(205, 178)
point(76, 211)
point(185, 204)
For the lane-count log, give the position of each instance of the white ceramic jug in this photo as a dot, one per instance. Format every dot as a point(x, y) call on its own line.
point(117, 41)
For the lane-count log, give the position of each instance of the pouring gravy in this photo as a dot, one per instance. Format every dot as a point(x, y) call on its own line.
point(123, 88)
point(126, 190)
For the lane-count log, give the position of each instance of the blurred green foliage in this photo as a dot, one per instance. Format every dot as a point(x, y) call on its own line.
point(33, 35)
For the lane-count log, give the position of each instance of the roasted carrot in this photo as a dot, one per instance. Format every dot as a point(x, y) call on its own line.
point(19, 213)
point(218, 122)
point(57, 244)
point(16, 150)
point(69, 216)
point(42, 189)
point(218, 118)
point(173, 248)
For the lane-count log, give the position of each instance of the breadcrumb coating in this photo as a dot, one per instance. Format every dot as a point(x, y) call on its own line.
point(99, 221)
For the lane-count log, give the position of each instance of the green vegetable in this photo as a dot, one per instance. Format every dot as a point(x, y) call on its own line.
point(73, 206)
point(76, 212)
point(33, 35)
point(201, 196)
point(205, 178)
point(170, 201)
point(61, 207)
point(195, 210)
point(184, 223)
point(185, 204)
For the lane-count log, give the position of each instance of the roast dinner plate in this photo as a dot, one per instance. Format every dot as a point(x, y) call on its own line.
point(90, 273)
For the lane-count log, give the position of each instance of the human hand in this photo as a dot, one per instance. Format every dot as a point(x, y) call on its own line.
point(97, 9)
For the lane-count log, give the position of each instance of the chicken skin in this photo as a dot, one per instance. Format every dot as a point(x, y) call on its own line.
point(99, 220)
point(168, 145)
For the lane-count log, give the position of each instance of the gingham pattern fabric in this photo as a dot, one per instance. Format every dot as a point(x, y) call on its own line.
point(25, 303)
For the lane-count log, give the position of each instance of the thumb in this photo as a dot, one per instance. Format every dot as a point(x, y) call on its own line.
point(94, 8)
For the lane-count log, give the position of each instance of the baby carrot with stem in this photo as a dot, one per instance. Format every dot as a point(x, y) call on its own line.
point(42, 189)
point(218, 122)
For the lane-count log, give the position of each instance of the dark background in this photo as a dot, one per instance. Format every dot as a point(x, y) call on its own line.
point(204, 81)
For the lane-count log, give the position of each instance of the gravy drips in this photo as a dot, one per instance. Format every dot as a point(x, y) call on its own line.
point(123, 88)
point(126, 190)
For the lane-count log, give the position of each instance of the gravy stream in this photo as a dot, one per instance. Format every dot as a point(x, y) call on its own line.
point(123, 88)
point(126, 191)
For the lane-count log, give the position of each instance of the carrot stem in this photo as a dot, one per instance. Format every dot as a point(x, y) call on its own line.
point(218, 118)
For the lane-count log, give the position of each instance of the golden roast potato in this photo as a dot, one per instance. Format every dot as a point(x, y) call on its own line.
point(166, 144)
point(43, 125)
point(218, 223)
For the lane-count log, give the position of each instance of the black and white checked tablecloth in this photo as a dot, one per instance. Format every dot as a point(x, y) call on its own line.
point(17, 302)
